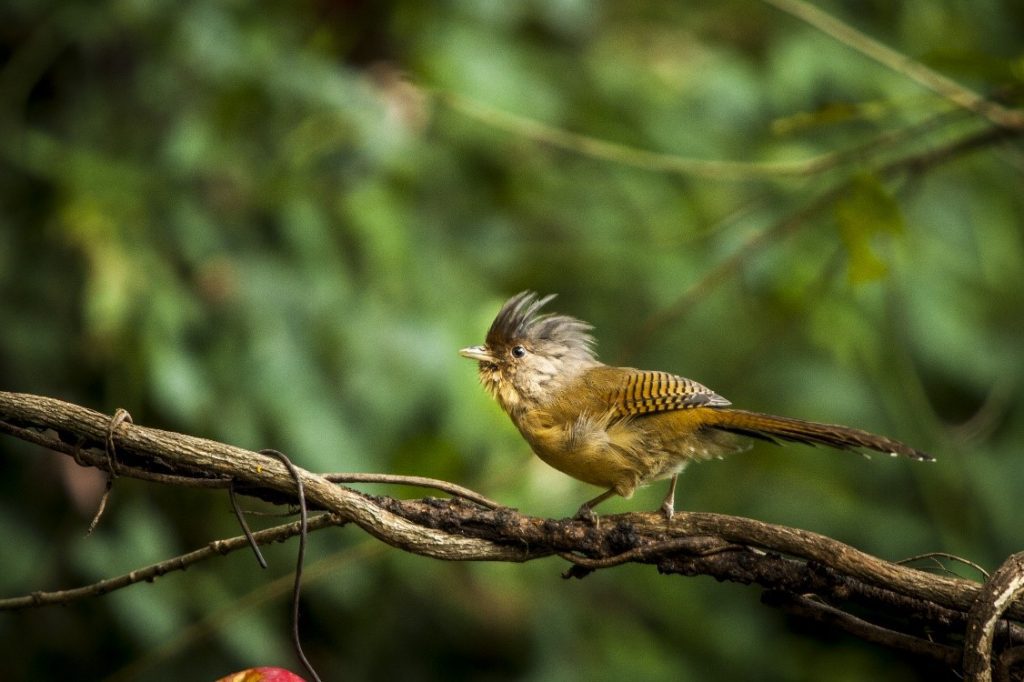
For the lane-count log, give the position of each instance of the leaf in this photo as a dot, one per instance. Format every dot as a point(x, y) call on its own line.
point(867, 210)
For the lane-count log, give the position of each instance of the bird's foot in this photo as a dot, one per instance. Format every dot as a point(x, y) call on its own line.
point(668, 505)
point(586, 515)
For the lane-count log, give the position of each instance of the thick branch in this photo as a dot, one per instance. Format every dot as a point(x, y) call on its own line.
point(167, 453)
point(913, 610)
point(1005, 586)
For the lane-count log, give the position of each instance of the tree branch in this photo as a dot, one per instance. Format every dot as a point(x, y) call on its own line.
point(178, 563)
point(806, 573)
point(722, 272)
point(902, 64)
point(1004, 587)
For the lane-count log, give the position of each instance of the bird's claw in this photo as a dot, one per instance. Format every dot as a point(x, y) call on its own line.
point(586, 515)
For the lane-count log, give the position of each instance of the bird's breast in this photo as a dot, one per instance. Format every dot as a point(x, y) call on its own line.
point(599, 449)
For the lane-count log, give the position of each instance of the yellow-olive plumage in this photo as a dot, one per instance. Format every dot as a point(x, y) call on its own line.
point(619, 427)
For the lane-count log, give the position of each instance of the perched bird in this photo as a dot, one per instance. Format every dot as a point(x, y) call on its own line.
point(619, 427)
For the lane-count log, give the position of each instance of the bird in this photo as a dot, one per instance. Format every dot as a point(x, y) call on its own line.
point(621, 428)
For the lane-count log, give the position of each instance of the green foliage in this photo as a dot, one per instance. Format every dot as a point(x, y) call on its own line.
point(273, 224)
point(866, 210)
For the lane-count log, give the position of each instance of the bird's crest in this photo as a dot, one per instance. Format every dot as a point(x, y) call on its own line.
point(520, 320)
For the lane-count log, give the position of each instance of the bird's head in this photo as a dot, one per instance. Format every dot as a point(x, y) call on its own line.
point(529, 357)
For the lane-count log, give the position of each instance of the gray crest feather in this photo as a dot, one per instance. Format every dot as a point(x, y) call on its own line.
point(520, 320)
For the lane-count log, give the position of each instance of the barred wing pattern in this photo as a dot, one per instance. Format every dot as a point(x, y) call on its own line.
point(646, 392)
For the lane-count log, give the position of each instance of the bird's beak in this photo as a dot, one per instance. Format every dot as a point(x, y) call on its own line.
point(477, 353)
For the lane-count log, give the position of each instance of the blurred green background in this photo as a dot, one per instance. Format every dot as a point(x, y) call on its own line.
point(273, 224)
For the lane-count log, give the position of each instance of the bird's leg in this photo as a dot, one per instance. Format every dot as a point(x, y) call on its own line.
point(586, 510)
point(668, 505)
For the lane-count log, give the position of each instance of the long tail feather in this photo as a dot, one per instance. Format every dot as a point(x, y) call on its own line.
point(771, 428)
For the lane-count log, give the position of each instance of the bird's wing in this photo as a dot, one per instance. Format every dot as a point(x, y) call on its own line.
point(639, 392)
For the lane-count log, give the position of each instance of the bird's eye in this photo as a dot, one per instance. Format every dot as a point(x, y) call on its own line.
point(518, 351)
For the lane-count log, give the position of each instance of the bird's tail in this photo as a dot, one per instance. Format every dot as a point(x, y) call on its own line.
point(773, 429)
